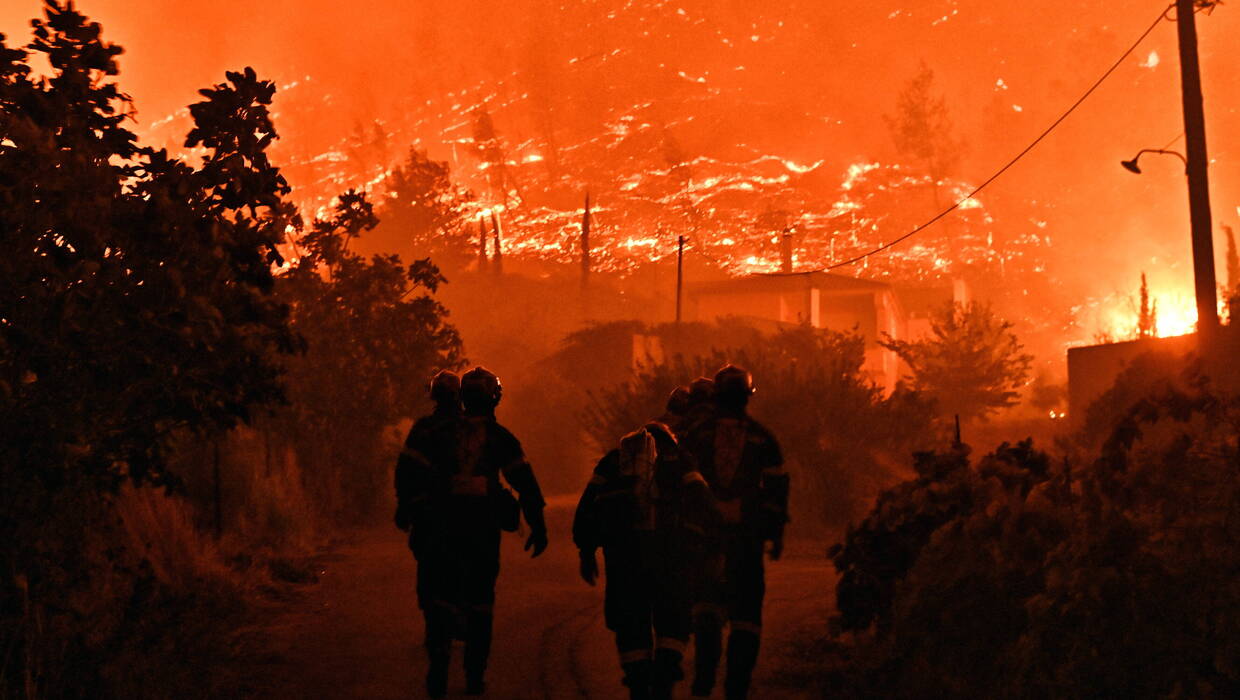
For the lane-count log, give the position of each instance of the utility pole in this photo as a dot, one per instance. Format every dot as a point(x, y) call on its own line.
point(680, 273)
point(1198, 173)
point(785, 251)
point(585, 244)
point(482, 244)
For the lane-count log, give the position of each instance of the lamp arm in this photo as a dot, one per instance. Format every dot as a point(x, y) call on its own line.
point(1177, 154)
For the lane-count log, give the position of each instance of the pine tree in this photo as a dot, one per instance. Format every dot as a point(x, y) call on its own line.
point(1147, 313)
point(922, 128)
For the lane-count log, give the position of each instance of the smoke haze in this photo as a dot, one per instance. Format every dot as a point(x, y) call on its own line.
point(806, 83)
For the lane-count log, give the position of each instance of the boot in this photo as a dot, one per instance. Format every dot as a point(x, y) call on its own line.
point(437, 679)
point(438, 651)
point(666, 673)
point(477, 650)
point(708, 643)
point(742, 657)
point(637, 678)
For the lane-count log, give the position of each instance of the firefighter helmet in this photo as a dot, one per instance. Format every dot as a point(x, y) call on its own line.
point(481, 388)
point(678, 401)
point(445, 387)
point(733, 382)
point(701, 390)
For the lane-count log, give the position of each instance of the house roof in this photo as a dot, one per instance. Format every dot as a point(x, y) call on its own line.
point(824, 282)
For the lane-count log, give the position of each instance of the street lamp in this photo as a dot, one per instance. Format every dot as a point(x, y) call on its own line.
point(1132, 167)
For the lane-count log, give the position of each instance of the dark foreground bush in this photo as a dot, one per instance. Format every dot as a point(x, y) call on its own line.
point(1019, 576)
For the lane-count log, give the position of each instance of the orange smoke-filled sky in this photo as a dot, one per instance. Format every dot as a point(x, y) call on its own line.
point(809, 80)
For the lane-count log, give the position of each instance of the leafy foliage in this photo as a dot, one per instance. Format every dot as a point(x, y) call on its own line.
point(135, 295)
point(373, 333)
point(972, 364)
point(922, 127)
point(1019, 577)
point(426, 209)
point(135, 306)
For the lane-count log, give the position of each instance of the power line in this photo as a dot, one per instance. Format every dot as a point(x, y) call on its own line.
point(1097, 83)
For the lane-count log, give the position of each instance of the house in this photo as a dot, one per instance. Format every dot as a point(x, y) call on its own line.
point(820, 299)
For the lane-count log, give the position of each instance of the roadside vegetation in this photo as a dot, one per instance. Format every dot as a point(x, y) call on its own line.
point(170, 366)
point(1098, 568)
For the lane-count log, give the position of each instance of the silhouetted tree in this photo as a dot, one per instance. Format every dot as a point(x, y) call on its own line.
point(1147, 313)
point(368, 147)
point(135, 295)
point(971, 364)
point(491, 152)
point(374, 335)
point(422, 206)
point(135, 305)
point(922, 128)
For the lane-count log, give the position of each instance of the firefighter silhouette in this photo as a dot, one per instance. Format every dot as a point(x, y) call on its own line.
point(701, 403)
point(645, 505)
point(742, 463)
point(677, 410)
point(451, 500)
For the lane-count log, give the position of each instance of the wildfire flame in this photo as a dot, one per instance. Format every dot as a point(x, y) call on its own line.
point(1176, 315)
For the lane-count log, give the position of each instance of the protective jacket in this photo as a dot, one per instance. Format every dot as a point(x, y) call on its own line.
point(415, 471)
point(647, 507)
point(741, 461)
point(743, 464)
point(448, 457)
point(641, 488)
point(448, 480)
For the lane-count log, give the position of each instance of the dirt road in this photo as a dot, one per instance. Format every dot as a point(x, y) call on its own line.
point(357, 633)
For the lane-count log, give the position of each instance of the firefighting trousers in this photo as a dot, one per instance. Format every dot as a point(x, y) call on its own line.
point(458, 564)
point(730, 591)
point(646, 605)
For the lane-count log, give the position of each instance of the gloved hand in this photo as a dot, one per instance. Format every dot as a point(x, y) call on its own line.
point(777, 548)
point(589, 567)
point(536, 541)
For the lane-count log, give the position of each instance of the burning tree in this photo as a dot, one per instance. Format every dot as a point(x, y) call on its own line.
point(491, 153)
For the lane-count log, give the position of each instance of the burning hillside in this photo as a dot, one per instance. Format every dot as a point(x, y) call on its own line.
point(731, 125)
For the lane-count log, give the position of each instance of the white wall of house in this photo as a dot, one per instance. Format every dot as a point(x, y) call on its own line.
point(872, 312)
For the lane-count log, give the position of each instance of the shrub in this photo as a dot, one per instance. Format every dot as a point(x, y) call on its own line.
point(1024, 577)
point(840, 436)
